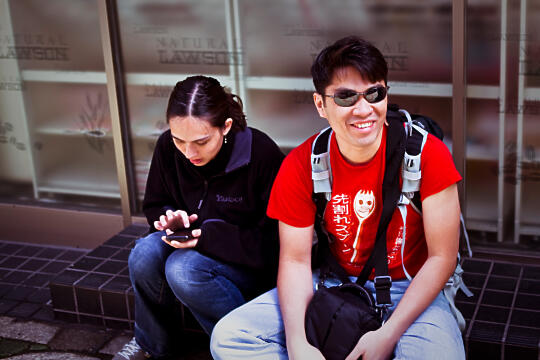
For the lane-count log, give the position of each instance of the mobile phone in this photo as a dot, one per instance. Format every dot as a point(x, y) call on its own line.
point(180, 235)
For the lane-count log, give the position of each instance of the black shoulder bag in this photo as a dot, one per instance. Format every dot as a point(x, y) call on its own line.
point(338, 316)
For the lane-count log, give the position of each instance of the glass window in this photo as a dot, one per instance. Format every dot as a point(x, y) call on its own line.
point(163, 42)
point(55, 127)
point(55, 124)
point(280, 40)
point(483, 122)
point(529, 114)
point(482, 166)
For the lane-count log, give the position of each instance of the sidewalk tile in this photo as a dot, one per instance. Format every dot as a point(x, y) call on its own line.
point(26, 330)
point(82, 340)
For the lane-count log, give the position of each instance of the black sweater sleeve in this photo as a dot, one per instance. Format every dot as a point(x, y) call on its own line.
point(257, 245)
point(157, 197)
point(254, 247)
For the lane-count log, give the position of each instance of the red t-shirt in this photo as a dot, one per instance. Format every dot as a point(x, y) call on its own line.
point(352, 215)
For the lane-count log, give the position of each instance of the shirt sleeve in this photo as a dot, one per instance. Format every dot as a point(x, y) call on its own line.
point(290, 199)
point(157, 197)
point(438, 168)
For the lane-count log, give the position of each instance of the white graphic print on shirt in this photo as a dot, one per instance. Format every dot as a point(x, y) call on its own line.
point(364, 204)
point(342, 215)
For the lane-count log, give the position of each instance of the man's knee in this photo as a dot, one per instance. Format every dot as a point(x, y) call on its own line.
point(222, 338)
point(435, 344)
point(433, 335)
point(235, 337)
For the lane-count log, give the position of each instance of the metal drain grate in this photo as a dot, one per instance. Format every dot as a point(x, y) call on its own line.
point(503, 318)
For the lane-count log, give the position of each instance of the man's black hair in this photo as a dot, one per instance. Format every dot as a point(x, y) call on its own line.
point(349, 51)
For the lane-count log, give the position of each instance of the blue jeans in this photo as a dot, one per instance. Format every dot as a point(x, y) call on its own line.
point(255, 330)
point(160, 274)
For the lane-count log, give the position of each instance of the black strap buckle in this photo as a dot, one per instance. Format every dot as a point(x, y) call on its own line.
point(323, 275)
point(382, 290)
point(382, 311)
point(382, 282)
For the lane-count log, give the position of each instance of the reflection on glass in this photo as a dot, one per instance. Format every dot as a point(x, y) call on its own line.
point(147, 119)
point(169, 36)
point(529, 111)
point(530, 47)
point(289, 117)
point(437, 108)
point(281, 38)
point(482, 164)
point(530, 168)
point(56, 36)
point(483, 42)
point(55, 136)
point(72, 139)
point(55, 120)
point(162, 42)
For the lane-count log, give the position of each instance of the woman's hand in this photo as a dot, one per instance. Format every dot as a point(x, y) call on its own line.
point(184, 244)
point(174, 220)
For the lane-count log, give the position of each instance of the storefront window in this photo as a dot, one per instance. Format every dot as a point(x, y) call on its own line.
point(55, 123)
point(56, 141)
point(280, 40)
point(163, 42)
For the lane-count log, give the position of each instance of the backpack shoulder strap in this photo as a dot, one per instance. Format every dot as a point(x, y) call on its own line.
point(417, 128)
point(321, 174)
point(415, 137)
point(321, 170)
point(411, 173)
point(322, 188)
point(395, 148)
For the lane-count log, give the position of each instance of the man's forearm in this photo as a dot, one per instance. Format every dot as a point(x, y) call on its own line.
point(425, 286)
point(295, 290)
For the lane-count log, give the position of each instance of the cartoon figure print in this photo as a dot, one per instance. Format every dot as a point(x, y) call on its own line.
point(363, 204)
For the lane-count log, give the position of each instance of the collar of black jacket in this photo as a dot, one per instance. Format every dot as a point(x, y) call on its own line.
point(241, 153)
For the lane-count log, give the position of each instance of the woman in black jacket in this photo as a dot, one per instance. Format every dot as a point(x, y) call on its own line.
point(212, 175)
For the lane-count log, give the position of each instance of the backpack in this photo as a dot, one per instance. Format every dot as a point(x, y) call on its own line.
point(417, 127)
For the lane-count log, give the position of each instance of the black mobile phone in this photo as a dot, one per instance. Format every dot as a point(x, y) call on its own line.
point(180, 235)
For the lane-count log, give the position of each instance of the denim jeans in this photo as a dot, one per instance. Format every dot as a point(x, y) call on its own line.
point(160, 274)
point(255, 330)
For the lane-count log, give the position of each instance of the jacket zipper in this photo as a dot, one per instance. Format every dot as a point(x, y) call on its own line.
point(205, 192)
point(203, 195)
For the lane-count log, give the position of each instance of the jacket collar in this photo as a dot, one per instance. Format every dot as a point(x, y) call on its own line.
point(241, 153)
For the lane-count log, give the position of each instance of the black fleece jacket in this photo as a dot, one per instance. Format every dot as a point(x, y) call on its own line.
point(230, 200)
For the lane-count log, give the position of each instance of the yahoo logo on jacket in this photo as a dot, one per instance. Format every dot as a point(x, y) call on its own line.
point(229, 199)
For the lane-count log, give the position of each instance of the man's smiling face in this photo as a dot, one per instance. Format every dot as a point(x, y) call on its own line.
point(358, 128)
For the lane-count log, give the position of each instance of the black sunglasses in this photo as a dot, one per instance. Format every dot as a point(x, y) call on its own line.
point(346, 98)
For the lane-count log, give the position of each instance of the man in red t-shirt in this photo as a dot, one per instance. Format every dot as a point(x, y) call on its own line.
point(350, 79)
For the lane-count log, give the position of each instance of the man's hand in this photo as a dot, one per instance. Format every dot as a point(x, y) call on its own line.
point(174, 220)
point(373, 345)
point(305, 351)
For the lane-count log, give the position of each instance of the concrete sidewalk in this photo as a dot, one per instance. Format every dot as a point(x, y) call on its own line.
point(22, 339)
point(28, 326)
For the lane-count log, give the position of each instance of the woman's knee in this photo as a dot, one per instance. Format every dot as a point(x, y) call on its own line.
point(188, 272)
point(148, 256)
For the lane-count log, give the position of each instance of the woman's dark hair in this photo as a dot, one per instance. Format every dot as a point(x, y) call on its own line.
point(204, 97)
point(349, 51)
